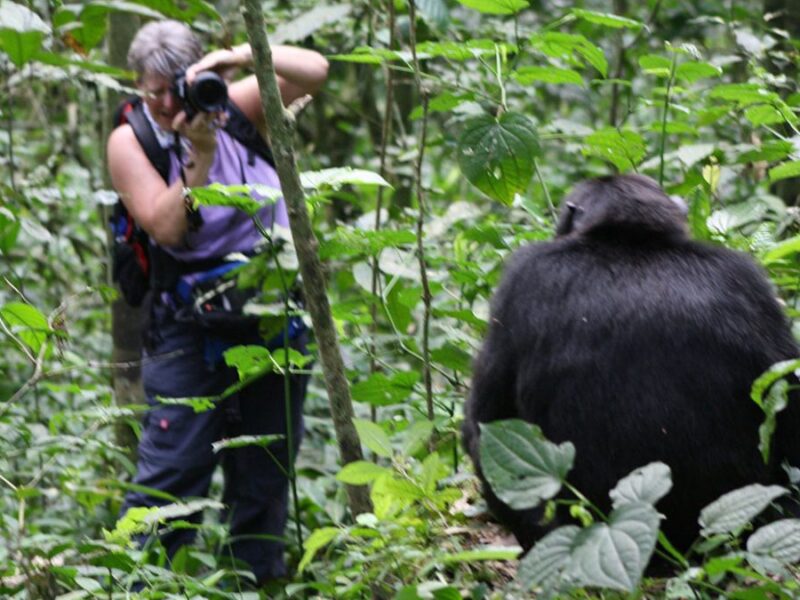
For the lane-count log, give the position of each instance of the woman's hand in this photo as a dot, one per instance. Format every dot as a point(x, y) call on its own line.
point(201, 131)
point(224, 62)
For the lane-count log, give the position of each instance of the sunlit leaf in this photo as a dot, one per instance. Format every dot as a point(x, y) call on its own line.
point(496, 7)
point(570, 46)
point(781, 250)
point(361, 472)
point(373, 437)
point(21, 32)
point(692, 71)
point(243, 441)
point(318, 539)
point(625, 149)
point(336, 178)
point(529, 74)
point(785, 171)
point(27, 323)
point(606, 19)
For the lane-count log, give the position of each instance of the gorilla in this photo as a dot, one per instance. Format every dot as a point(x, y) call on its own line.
point(637, 344)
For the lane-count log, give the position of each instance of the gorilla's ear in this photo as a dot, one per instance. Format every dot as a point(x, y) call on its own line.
point(570, 215)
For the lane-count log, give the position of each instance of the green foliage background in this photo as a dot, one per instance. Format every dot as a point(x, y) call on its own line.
point(481, 114)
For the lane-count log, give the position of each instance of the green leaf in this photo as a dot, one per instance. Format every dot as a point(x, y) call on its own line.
point(546, 565)
point(9, 229)
point(434, 12)
point(646, 484)
point(606, 19)
point(315, 542)
point(236, 196)
point(521, 466)
point(487, 553)
point(743, 94)
point(693, 153)
point(781, 250)
point(734, 510)
point(309, 22)
point(21, 32)
point(361, 472)
point(373, 437)
point(416, 436)
point(625, 149)
point(249, 360)
point(27, 323)
point(767, 114)
point(777, 371)
point(770, 150)
point(779, 540)
point(380, 390)
point(652, 64)
point(334, 179)
point(497, 155)
point(692, 71)
point(614, 555)
point(352, 241)
point(785, 171)
point(496, 7)
point(247, 440)
point(188, 11)
point(527, 75)
point(452, 357)
point(570, 47)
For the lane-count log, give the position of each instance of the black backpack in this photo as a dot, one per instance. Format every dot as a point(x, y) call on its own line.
point(137, 265)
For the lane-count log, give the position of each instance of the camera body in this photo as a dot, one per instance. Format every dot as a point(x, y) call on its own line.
point(208, 93)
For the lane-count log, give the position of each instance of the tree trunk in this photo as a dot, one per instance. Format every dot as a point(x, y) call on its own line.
point(280, 135)
point(126, 321)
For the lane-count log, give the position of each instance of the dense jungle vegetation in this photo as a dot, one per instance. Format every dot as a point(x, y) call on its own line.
point(446, 136)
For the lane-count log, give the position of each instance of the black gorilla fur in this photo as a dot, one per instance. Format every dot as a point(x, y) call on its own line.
point(637, 344)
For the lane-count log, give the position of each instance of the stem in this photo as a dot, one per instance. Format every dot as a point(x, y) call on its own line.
point(423, 270)
point(386, 132)
point(287, 381)
point(10, 126)
point(550, 206)
point(664, 121)
point(306, 244)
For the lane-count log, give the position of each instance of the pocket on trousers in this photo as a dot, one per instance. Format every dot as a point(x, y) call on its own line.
point(176, 435)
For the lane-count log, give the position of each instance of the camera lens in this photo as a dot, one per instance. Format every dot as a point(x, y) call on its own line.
point(208, 93)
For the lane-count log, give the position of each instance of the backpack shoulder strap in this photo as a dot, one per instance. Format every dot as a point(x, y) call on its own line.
point(243, 131)
point(158, 156)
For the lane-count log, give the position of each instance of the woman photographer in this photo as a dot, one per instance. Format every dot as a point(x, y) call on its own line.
point(175, 453)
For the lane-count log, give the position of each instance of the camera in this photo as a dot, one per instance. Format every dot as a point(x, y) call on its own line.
point(208, 92)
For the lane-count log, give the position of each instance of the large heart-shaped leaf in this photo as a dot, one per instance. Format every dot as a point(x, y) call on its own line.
point(497, 154)
point(779, 540)
point(546, 565)
point(522, 467)
point(646, 484)
point(736, 509)
point(614, 555)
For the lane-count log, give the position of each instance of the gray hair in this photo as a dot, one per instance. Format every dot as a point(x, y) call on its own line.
point(163, 47)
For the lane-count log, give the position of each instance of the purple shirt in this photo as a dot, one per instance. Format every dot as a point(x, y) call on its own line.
point(226, 229)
